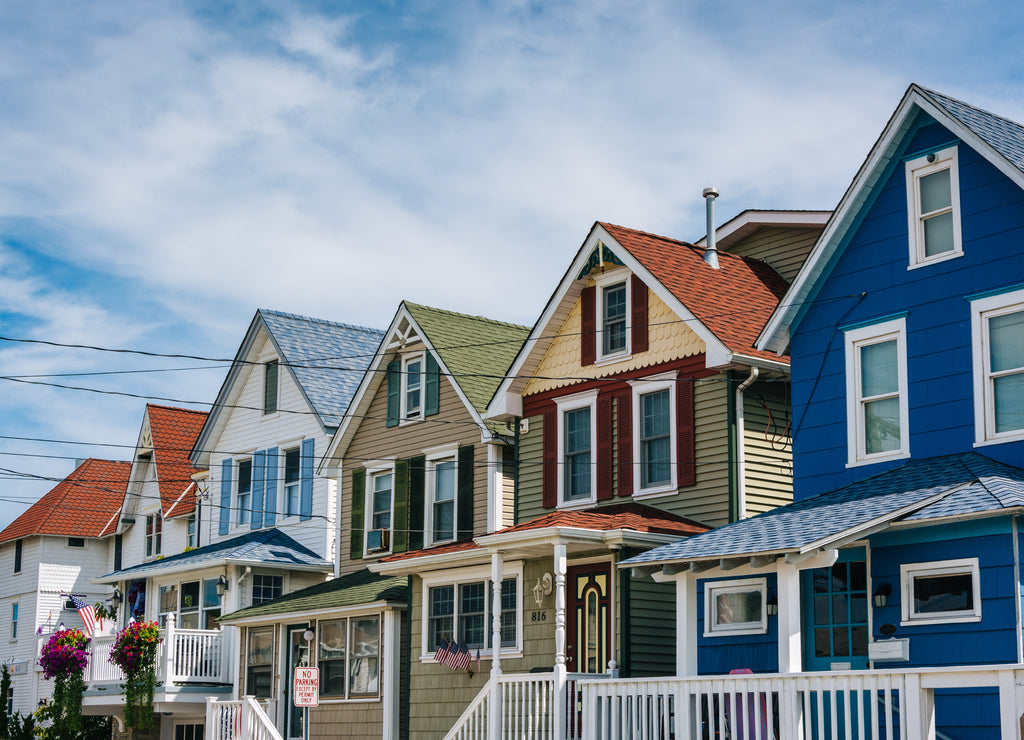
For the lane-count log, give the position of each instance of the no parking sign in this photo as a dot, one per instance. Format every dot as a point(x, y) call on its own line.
point(306, 687)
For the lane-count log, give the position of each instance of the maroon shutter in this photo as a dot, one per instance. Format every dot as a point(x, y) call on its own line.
point(588, 326)
point(604, 447)
point(549, 458)
point(624, 411)
point(639, 300)
point(686, 438)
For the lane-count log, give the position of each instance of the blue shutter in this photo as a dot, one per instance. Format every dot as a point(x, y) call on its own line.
point(256, 517)
point(270, 489)
point(432, 389)
point(225, 495)
point(306, 481)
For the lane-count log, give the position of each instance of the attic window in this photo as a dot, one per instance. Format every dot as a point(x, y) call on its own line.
point(270, 371)
point(933, 207)
point(76, 542)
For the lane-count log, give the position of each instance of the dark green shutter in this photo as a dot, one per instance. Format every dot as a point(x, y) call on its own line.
point(358, 513)
point(465, 493)
point(417, 499)
point(394, 389)
point(401, 511)
point(432, 391)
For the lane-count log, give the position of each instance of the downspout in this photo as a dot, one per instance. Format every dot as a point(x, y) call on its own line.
point(337, 523)
point(741, 462)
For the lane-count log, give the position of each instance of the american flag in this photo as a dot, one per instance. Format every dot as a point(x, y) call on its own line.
point(86, 612)
point(460, 661)
point(442, 651)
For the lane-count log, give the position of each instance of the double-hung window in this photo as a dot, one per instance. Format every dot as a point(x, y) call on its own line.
point(154, 534)
point(259, 662)
point(190, 532)
point(937, 592)
point(168, 602)
point(462, 612)
point(613, 319)
point(211, 604)
point(998, 346)
point(14, 621)
point(933, 207)
point(577, 447)
point(188, 616)
point(876, 392)
point(378, 511)
point(292, 481)
point(348, 656)
point(270, 387)
point(18, 549)
point(243, 496)
point(441, 497)
point(654, 423)
point(412, 387)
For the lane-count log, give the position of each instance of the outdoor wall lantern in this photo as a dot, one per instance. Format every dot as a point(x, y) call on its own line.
point(223, 584)
point(542, 589)
point(308, 635)
point(772, 606)
point(116, 599)
point(882, 594)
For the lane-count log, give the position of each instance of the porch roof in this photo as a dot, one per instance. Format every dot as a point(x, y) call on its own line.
point(966, 484)
point(354, 589)
point(264, 547)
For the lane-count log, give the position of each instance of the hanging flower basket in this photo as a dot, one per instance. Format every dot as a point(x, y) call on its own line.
point(63, 660)
point(134, 652)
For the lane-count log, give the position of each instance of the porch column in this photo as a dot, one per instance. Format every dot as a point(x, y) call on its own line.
point(494, 698)
point(790, 658)
point(560, 678)
point(169, 650)
point(686, 624)
point(391, 684)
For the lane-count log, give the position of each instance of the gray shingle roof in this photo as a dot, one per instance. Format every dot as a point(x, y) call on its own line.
point(973, 484)
point(327, 358)
point(265, 546)
point(1003, 135)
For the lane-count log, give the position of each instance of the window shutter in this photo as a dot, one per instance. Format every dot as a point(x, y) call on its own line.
point(394, 389)
point(432, 387)
point(225, 495)
point(686, 436)
point(417, 500)
point(549, 459)
point(624, 413)
point(355, 549)
point(306, 480)
point(258, 463)
point(270, 489)
point(464, 493)
point(400, 522)
point(588, 326)
point(638, 291)
point(604, 447)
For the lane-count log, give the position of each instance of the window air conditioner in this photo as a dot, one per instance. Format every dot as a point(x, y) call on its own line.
point(378, 540)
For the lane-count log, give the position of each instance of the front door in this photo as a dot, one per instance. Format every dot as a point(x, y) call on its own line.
point(298, 656)
point(835, 614)
point(588, 618)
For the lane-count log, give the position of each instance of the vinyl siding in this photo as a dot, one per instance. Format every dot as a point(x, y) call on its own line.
point(769, 446)
point(652, 627)
point(529, 503)
point(785, 249)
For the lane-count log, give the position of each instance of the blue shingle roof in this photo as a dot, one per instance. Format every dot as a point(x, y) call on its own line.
point(327, 358)
point(1003, 135)
point(972, 483)
point(266, 546)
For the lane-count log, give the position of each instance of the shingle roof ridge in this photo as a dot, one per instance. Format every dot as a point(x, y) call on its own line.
point(682, 243)
point(315, 320)
point(475, 317)
point(957, 101)
point(176, 408)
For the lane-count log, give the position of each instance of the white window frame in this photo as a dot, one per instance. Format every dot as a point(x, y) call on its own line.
point(447, 453)
point(277, 399)
point(915, 170)
point(247, 509)
point(153, 540)
point(252, 588)
point(910, 571)
point(666, 381)
point(572, 403)
point(15, 616)
point(296, 485)
point(746, 585)
point(403, 405)
point(374, 469)
point(856, 338)
point(19, 556)
point(72, 540)
point(601, 283)
point(983, 309)
point(510, 569)
point(349, 697)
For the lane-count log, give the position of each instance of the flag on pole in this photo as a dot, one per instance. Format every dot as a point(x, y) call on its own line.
point(86, 612)
point(478, 660)
point(462, 658)
point(453, 654)
point(442, 651)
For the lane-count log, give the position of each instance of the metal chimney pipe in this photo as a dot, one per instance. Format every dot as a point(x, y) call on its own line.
point(710, 252)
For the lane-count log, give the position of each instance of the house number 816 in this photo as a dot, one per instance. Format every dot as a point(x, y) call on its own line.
point(539, 617)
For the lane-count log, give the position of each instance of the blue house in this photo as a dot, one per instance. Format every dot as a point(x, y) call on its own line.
point(895, 575)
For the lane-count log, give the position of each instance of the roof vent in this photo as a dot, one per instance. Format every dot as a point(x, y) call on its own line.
point(710, 252)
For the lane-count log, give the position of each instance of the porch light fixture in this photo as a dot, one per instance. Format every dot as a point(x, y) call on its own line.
point(772, 605)
point(116, 599)
point(882, 594)
point(542, 589)
point(223, 584)
point(308, 635)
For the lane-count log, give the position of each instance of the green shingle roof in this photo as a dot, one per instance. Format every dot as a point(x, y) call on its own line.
point(477, 351)
point(354, 589)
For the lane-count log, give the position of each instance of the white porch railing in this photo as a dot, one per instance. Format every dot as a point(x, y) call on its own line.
point(848, 705)
point(527, 709)
point(238, 720)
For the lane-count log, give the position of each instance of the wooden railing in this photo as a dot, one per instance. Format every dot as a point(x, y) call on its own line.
point(238, 720)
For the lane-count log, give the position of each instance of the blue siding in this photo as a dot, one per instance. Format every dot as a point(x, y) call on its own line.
point(716, 655)
point(874, 263)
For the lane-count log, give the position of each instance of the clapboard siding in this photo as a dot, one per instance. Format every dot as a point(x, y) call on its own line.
point(652, 627)
point(768, 445)
point(785, 249)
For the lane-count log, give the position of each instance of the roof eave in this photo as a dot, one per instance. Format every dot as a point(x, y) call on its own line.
point(300, 614)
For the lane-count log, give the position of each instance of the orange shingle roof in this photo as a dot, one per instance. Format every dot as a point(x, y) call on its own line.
point(451, 547)
point(174, 432)
point(636, 517)
point(85, 504)
point(733, 302)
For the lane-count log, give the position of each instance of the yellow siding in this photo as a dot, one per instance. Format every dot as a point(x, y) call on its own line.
point(785, 249)
point(768, 442)
point(670, 339)
point(360, 720)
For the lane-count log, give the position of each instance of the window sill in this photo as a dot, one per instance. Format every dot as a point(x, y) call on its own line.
point(872, 460)
point(270, 415)
point(353, 700)
point(921, 622)
point(612, 359)
point(659, 492)
point(730, 633)
point(1008, 437)
point(408, 422)
point(577, 504)
point(936, 260)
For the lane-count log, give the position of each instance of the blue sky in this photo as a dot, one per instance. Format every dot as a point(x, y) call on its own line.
point(166, 168)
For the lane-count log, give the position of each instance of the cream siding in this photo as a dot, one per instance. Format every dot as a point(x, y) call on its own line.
point(769, 447)
point(785, 249)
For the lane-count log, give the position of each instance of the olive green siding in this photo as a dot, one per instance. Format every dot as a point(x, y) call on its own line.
point(361, 720)
point(651, 633)
point(768, 442)
point(529, 499)
point(785, 249)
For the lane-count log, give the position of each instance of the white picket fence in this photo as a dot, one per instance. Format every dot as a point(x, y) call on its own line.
point(246, 719)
